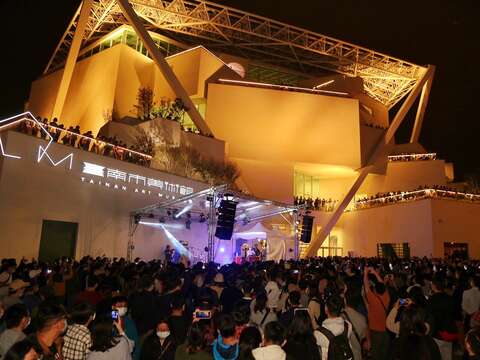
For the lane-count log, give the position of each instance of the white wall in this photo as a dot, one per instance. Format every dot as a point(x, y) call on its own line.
point(31, 192)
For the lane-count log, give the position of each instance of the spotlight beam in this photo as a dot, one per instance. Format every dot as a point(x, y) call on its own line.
point(183, 211)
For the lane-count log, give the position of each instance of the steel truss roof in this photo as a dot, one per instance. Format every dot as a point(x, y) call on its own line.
point(224, 29)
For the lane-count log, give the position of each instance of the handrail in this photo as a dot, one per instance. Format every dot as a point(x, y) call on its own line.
point(415, 195)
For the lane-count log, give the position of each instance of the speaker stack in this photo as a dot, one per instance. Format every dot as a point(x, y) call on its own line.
point(226, 219)
point(306, 233)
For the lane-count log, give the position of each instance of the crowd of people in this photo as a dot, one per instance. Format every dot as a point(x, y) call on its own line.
point(423, 192)
point(101, 145)
point(318, 204)
point(312, 309)
point(412, 157)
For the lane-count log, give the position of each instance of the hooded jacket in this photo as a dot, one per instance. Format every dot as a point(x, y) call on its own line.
point(221, 351)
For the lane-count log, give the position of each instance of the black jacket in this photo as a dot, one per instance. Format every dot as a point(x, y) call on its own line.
point(152, 349)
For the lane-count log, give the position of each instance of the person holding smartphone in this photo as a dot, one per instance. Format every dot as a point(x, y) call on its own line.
point(109, 341)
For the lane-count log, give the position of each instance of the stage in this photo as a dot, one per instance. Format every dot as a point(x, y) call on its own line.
point(266, 227)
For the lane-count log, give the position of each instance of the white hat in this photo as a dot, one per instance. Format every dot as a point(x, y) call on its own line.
point(219, 278)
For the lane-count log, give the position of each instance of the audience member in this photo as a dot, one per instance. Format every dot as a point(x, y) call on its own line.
point(17, 319)
point(109, 341)
point(159, 345)
point(273, 339)
point(77, 341)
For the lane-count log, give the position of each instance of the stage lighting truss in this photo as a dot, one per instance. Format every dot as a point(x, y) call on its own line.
point(266, 41)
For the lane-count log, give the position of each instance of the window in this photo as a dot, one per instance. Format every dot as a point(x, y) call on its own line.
point(400, 250)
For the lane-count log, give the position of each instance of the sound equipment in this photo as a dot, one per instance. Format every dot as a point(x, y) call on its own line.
point(226, 219)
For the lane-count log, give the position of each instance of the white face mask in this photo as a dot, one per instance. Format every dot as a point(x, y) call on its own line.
point(163, 334)
point(122, 311)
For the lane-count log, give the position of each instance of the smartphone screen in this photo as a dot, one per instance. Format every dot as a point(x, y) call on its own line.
point(202, 314)
point(114, 314)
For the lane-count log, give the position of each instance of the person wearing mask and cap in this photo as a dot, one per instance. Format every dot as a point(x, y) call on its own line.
point(51, 322)
point(15, 293)
point(120, 304)
point(159, 345)
point(78, 340)
point(17, 319)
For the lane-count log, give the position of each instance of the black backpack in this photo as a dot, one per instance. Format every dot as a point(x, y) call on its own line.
point(338, 346)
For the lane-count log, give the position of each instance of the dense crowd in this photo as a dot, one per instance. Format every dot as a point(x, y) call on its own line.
point(324, 308)
point(101, 145)
point(412, 157)
point(318, 204)
point(423, 192)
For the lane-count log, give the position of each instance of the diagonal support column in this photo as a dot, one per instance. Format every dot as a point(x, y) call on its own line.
point(71, 59)
point(374, 159)
point(162, 64)
point(417, 127)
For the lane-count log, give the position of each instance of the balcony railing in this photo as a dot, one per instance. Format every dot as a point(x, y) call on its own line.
point(412, 157)
point(408, 196)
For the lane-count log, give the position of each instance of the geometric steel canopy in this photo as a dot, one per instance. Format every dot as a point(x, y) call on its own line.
point(227, 30)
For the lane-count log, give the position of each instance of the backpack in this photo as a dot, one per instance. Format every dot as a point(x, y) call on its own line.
point(338, 346)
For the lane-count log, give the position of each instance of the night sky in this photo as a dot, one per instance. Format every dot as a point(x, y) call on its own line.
point(444, 33)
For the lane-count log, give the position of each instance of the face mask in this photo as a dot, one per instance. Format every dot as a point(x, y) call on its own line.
point(163, 334)
point(122, 311)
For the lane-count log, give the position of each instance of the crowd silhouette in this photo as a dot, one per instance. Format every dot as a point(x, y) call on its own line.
point(101, 145)
point(364, 308)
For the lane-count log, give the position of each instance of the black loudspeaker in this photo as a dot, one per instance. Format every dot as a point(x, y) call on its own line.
point(226, 219)
point(307, 225)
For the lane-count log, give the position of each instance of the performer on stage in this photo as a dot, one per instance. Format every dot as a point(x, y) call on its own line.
point(168, 253)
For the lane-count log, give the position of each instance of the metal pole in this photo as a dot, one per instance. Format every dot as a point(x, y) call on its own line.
point(212, 214)
point(296, 244)
point(131, 231)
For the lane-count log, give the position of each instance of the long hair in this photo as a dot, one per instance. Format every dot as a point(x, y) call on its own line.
point(250, 339)
point(412, 321)
point(300, 329)
point(412, 336)
point(197, 337)
point(103, 337)
point(260, 302)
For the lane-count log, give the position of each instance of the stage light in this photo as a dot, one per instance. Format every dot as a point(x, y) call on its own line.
point(161, 219)
point(176, 244)
point(222, 249)
point(137, 218)
point(183, 211)
point(228, 197)
point(169, 213)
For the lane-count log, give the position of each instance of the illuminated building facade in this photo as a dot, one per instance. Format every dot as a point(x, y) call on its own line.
point(301, 114)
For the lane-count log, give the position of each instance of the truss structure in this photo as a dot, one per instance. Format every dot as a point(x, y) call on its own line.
point(227, 30)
